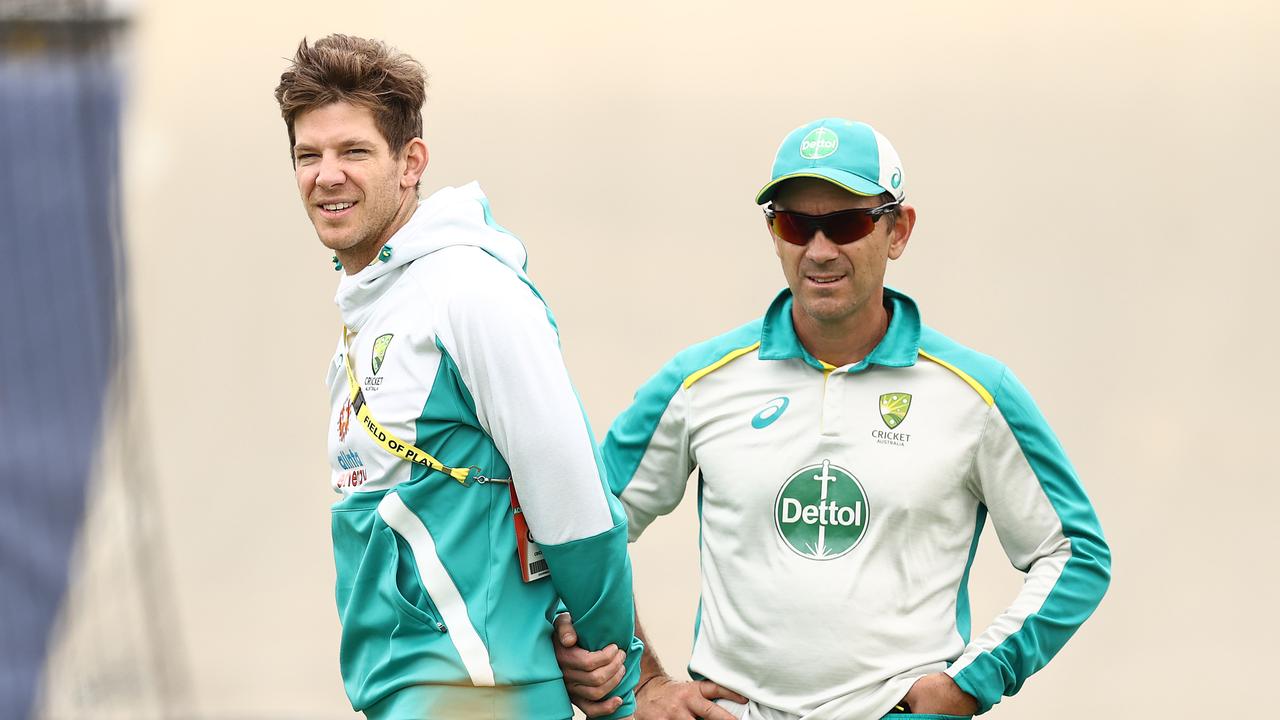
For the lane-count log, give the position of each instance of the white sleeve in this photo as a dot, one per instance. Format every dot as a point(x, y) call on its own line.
point(647, 450)
point(501, 337)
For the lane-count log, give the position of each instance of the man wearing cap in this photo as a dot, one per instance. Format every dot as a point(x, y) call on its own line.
point(848, 457)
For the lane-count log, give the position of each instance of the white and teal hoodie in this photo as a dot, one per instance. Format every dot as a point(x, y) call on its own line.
point(840, 509)
point(458, 354)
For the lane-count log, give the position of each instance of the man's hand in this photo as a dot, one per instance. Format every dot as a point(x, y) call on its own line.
point(938, 693)
point(661, 698)
point(588, 676)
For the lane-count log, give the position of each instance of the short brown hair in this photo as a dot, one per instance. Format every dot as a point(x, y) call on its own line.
point(343, 68)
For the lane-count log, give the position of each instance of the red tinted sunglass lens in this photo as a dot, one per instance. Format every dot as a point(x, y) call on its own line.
point(795, 229)
point(845, 227)
point(841, 228)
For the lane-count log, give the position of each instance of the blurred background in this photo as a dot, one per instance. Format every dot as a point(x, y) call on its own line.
point(1093, 182)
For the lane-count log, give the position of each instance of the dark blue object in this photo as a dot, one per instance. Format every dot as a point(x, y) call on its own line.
point(59, 318)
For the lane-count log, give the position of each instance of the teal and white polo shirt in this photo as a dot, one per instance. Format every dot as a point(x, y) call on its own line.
point(840, 509)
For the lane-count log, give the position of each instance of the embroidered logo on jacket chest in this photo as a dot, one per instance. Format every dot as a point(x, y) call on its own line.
point(344, 420)
point(894, 407)
point(380, 344)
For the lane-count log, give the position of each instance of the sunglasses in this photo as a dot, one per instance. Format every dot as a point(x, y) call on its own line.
point(841, 227)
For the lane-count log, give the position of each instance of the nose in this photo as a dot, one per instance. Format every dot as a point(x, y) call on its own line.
point(820, 249)
point(330, 173)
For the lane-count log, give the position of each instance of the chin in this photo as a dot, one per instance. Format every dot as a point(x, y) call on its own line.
point(827, 310)
point(333, 243)
point(337, 240)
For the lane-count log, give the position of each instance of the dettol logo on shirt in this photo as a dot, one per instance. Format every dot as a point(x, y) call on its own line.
point(821, 511)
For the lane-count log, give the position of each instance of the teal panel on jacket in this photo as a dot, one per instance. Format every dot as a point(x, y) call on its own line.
point(600, 618)
point(964, 618)
point(697, 618)
point(389, 629)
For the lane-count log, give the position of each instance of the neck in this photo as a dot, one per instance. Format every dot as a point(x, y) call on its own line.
point(848, 340)
point(355, 259)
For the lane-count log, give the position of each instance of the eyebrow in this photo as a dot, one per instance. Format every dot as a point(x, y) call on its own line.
point(350, 142)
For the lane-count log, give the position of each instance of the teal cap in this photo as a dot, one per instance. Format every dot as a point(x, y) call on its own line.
point(850, 154)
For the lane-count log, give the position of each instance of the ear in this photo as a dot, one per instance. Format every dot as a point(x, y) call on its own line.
point(415, 163)
point(902, 231)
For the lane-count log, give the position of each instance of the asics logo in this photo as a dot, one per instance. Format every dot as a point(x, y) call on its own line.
point(770, 412)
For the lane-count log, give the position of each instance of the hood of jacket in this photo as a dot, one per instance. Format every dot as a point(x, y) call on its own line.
point(449, 217)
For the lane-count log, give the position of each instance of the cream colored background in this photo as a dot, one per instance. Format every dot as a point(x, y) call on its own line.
point(1095, 182)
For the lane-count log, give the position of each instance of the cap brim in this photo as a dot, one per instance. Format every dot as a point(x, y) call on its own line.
point(855, 184)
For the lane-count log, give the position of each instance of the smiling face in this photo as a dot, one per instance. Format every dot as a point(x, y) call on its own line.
point(836, 286)
point(356, 191)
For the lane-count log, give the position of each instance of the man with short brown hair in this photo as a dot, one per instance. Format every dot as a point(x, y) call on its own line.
point(448, 395)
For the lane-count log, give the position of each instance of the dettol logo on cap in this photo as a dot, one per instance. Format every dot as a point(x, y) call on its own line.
point(819, 143)
point(821, 511)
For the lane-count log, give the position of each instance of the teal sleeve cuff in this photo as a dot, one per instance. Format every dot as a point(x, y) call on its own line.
point(985, 679)
point(557, 611)
point(593, 578)
point(629, 680)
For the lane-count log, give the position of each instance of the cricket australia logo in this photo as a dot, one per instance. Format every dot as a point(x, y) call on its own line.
point(893, 408)
point(821, 511)
point(380, 344)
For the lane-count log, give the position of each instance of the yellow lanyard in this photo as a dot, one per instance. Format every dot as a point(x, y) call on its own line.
point(390, 442)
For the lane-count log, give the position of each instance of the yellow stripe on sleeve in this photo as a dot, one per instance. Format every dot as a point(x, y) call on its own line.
point(963, 376)
point(695, 377)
